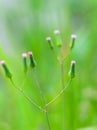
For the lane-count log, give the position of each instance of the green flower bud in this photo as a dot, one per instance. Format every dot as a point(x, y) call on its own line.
point(49, 40)
point(7, 72)
point(32, 61)
point(73, 37)
point(24, 55)
point(58, 38)
point(72, 69)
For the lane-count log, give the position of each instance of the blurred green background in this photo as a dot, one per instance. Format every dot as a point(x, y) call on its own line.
point(24, 26)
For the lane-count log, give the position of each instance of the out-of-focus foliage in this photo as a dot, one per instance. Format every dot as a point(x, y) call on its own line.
point(24, 26)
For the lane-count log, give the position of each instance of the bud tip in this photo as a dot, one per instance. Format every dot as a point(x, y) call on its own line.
point(48, 38)
point(24, 55)
point(2, 62)
point(56, 32)
point(30, 53)
point(73, 36)
point(73, 62)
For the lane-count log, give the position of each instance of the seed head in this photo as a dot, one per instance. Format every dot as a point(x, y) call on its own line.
point(72, 69)
point(6, 69)
point(49, 40)
point(56, 32)
point(73, 37)
point(2, 62)
point(32, 60)
point(24, 55)
point(30, 53)
point(58, 38)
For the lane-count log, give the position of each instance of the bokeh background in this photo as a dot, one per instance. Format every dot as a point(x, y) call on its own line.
point(24, 26)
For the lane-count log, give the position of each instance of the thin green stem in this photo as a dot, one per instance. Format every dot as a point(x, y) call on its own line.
point(73, 109)
point(23, 81)
point(27, 97)
point(63, 60)
point(43, 99)
point(59, 94)
point(63, 96)
point(47, 118)
point(62, 81)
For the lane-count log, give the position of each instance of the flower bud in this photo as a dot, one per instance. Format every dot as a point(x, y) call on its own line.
point(49, 40)
point(72, 69)
point(7, 72)
point(24, 56)
point(73, 37)
point(58, 38)
point(32, 61)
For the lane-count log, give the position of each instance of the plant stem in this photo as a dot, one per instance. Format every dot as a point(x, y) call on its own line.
point(73, 108)
point(63, 96)
point(43, 100)
point(59, 94)
point(27, 97)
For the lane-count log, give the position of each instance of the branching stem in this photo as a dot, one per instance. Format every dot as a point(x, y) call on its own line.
point(59, 94)
point(43, 99)
point(27, 97)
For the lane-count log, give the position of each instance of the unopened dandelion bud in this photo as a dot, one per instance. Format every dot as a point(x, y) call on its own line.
point(72, 69)
point(7, 72)
point(32, 60)
point(73, 37)
point(49, 40)
point(24, 56)
point(58, 38)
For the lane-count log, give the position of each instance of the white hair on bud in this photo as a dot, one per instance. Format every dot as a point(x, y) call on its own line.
point(30, 53)
point(73, 62)
point(56, 32)
point(2, 62)
point(48, 38)
point(73, 36)
point(24, 55)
